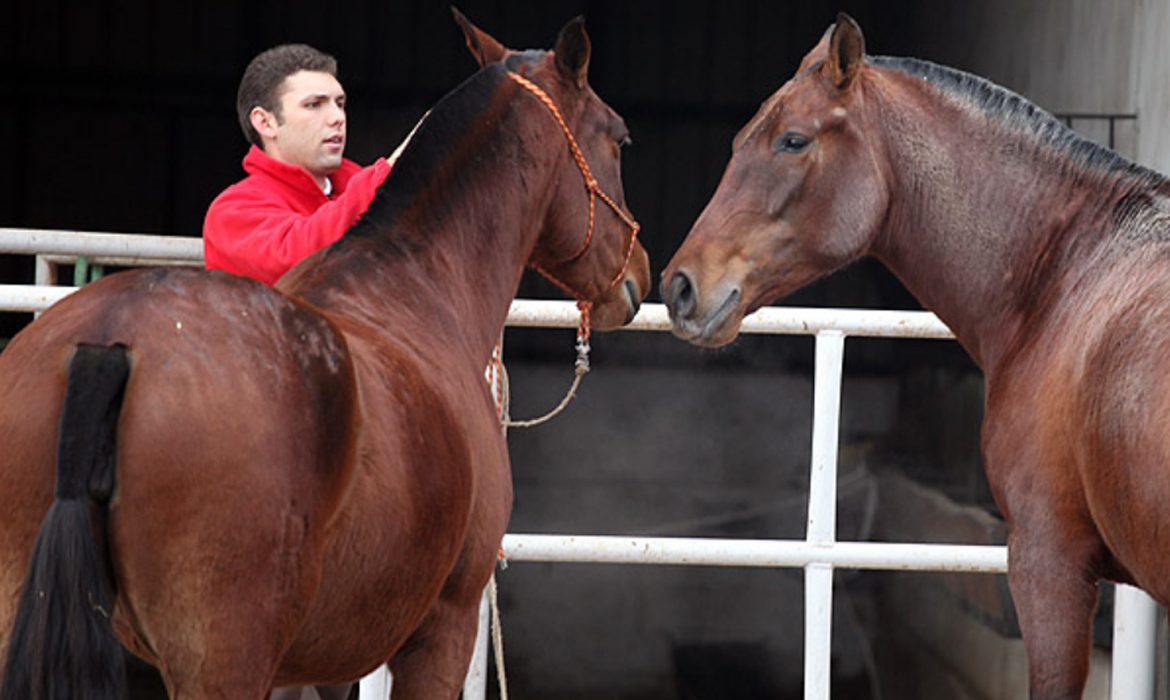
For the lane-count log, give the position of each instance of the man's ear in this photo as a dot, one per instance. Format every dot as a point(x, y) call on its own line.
point(264, 122)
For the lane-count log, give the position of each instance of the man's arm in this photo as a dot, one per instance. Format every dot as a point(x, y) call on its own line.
point(254, 233)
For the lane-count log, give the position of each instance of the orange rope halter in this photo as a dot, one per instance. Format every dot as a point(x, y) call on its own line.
point(591, 186)
point(583, 329)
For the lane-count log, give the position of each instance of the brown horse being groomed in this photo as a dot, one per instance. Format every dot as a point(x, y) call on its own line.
point(294, 486)
point(1048, 256)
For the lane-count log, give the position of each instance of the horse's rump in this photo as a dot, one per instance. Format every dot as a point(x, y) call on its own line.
point(224, 439)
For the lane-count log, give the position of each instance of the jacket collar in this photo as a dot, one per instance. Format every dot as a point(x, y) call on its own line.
point(259, 162)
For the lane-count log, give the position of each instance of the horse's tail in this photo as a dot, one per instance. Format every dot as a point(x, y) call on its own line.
point(62, 645)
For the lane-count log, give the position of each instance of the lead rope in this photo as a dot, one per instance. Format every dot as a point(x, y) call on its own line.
point(497, 378)
point(580, 369)
point(498, 635)
point(497, 374)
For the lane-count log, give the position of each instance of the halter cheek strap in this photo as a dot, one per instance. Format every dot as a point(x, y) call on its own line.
point(595, 192)
point(583, 304)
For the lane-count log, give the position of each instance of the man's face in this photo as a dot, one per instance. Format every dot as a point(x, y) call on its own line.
point(311, 130)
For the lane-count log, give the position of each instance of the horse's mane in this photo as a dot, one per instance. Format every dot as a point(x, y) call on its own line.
point(1136, 212)
point(1016, 112)
point(418, 171)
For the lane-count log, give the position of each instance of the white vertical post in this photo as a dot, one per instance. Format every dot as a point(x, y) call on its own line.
point(822, 513)
point(45, 274)
point(45, 271)
point(375, 686)
point(475, 686)
point(1135, 622)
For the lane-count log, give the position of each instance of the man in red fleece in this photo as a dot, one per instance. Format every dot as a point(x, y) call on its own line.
point(301, 193)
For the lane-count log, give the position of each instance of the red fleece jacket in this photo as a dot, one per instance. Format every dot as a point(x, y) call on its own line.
point(278, 215)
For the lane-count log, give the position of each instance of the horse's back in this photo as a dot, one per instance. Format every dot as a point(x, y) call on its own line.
point(233, 446)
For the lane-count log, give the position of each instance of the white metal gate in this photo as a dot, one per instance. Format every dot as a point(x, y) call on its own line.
point(819, 554)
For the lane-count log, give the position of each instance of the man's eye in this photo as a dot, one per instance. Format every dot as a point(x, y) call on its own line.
point(792, 142)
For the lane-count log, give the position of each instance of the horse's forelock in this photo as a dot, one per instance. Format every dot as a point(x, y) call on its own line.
point(517, 59)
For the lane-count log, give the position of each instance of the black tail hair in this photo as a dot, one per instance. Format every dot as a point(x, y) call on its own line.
point(62, 646)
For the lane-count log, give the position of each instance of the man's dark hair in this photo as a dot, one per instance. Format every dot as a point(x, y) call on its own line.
point(264, 77)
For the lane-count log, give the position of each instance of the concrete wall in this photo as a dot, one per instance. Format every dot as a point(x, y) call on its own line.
point(1152, 59)
point(1069, 56)
point(1079, 57)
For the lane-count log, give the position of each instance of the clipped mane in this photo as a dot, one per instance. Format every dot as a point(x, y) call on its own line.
point(1017, 113)
point(1140, 212)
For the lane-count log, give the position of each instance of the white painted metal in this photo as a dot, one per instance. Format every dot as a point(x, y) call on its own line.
point(376, 686)
point(1135, 623)
point(475, 686)
point(822, 513)
point(684, 551)
point(31, 297)
point(46, 272)
point(141, 248)
point(771, 320)
point(1134, 612)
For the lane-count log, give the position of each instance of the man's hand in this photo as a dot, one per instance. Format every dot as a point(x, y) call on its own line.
point(398, 151)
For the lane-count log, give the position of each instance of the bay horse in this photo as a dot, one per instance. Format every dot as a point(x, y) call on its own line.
point(293, 486)
point(1046, 254)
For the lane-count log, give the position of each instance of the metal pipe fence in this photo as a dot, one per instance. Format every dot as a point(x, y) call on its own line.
point(819, 554)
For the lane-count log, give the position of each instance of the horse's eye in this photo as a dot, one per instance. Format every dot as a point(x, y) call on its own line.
point(792, 142)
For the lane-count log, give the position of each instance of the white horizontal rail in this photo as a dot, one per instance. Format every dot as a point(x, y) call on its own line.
point(772, 320)
point(145, 249)
point(31, 297)
point(684, 551)
point(114, 260)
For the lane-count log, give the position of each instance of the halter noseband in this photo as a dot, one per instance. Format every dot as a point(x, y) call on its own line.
point(594, 192)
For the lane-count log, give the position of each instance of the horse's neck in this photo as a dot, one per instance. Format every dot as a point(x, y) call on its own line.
point(449, 262)
point(978, 229)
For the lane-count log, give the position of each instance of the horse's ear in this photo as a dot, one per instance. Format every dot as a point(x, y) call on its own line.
point(483, 46)
point(572, 51)
point(819, 52)
point(846, 51)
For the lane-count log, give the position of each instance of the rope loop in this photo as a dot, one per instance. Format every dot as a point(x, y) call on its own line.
point(580, 369)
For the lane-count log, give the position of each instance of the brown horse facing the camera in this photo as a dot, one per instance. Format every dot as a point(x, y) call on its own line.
point(1047, 255)
point(294, 486)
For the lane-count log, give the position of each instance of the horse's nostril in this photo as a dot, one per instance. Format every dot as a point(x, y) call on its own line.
point(680, 296)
